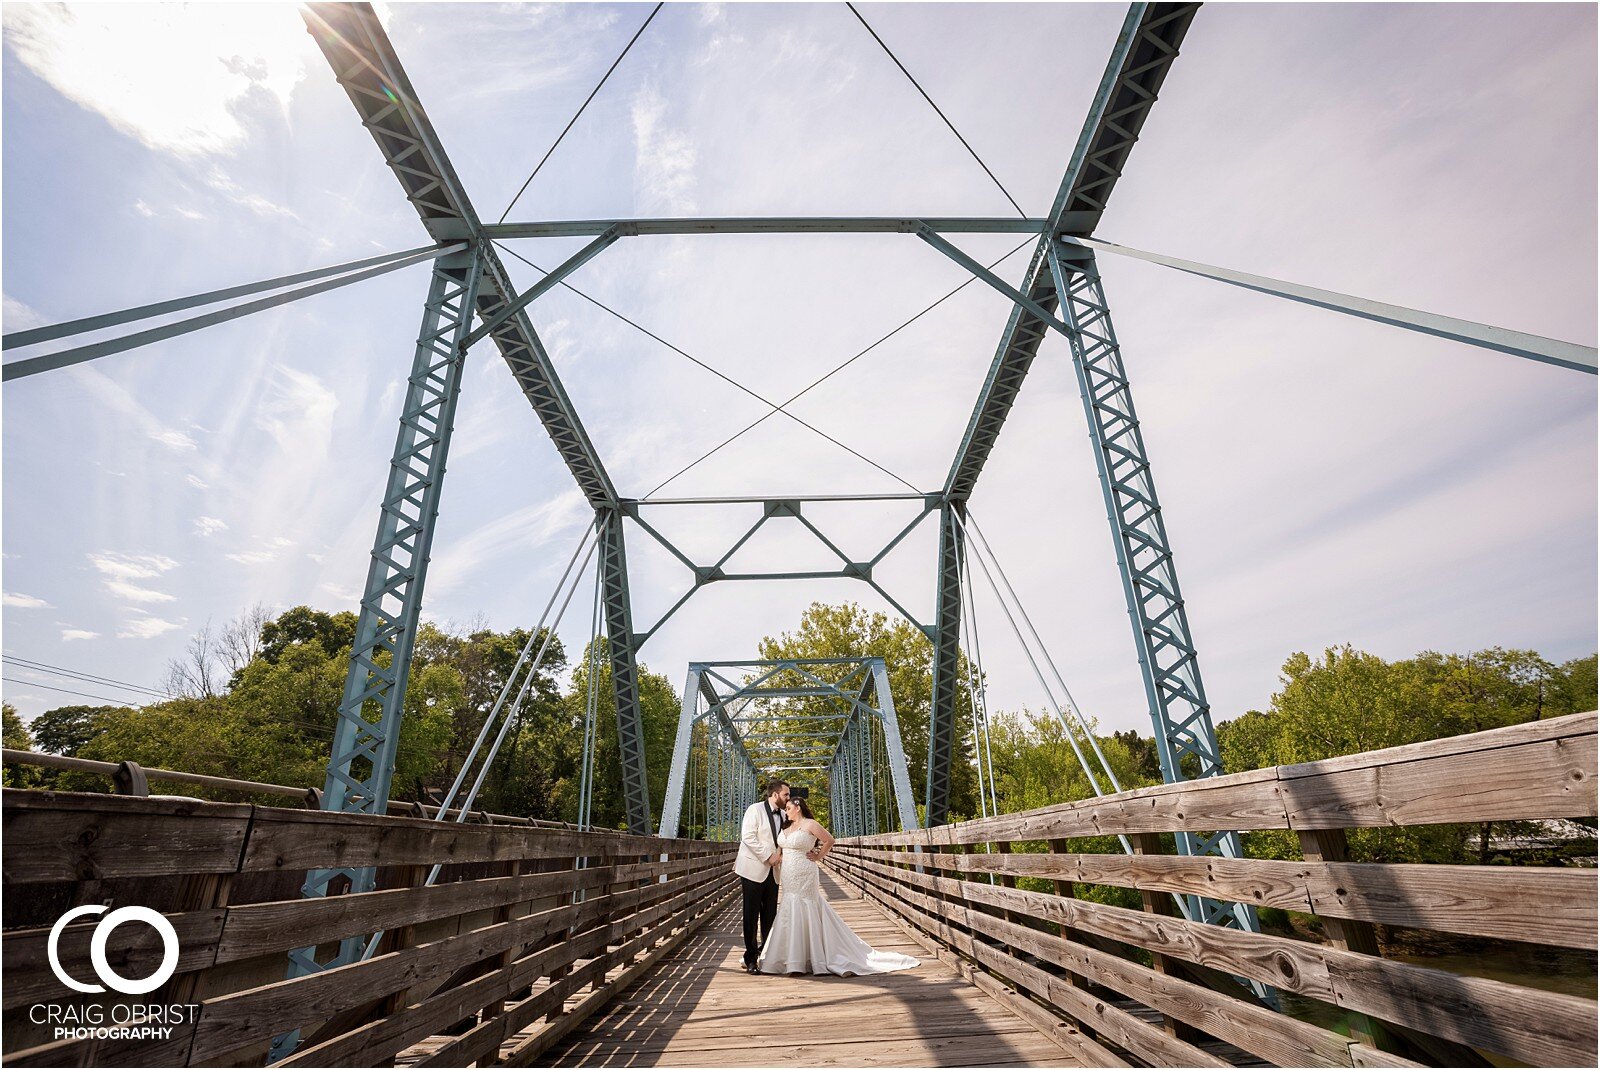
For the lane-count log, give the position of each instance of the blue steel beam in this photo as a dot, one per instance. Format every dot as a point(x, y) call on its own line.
point(1139, 62)
point(768, 225)
point(622, 645)
point(62, 358)
point(946, 637)
point(35, 335)
point(368, 69)
point(1186, 742)
point(1483, 335)
point(366, 734)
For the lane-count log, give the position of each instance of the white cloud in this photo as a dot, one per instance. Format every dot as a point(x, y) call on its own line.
point(134, 593)
point(143, 209)
point(219, 181)
point(347, 595)
point(208, 525)
point(534, 525)
point(69, 635)
point(189, 213)
point(254, 557)
point(173, 76)
point(196, 482)
point(132, 566)
point(20, 317)
point(664, 158)
point(175, 440)
point(25, 601)
point(147, 628)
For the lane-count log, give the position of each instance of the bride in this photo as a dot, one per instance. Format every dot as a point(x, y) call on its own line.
point(807, 936)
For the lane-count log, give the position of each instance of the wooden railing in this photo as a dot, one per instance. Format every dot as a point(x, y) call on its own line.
point(1117, 984)
point(490, 964)
point(131, 778)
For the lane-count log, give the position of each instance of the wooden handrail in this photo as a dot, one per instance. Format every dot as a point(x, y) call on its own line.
point(521, 919)
point(1068, 952)
point(119, 770)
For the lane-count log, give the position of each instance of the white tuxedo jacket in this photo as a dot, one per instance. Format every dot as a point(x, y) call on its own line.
point(756, 844)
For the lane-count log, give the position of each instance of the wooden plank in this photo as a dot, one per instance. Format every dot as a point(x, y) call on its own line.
point(1530, 904)
point(1262, 882)
point(1482, 1014)
point(527, 1052)
point(484, 1040)
point(1068, 1034)
point(1548, 729)
point(72, 836)
point(1255, 1029)
point(1144, 1040)
point(1540, 770)
point(231, 1021)
point(698, 1008)
point(131, 950)
point(306, 839)
point(262, 928)
point(1555, 778)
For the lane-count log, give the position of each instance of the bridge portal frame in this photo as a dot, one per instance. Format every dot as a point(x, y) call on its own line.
point(864, 702)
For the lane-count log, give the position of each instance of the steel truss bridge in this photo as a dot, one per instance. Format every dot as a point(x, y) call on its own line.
point(833, 719)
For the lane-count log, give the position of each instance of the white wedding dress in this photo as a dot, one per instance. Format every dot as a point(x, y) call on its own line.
point(807, 936)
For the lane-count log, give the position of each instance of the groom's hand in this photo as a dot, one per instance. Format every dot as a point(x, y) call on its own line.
point(777, 857)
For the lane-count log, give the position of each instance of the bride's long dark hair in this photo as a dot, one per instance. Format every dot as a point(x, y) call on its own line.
point(805, 811)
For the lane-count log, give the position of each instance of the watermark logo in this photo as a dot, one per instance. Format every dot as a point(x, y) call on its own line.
point(97, 950)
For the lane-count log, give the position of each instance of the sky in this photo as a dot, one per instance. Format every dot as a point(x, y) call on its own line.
point(1324, 480)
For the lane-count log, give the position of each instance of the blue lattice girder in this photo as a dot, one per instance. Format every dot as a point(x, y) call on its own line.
point(946, 638)
point(1169, 664)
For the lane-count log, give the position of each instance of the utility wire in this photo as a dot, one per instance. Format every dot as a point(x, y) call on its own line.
point(719, 374)
point(581, 107)
point(86, 677)
point(936, 108)
point(830, 374)
point(80, 694)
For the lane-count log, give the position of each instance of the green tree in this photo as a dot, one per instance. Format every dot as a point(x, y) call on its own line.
point(66, 728)
point(1575, 687)
point(333, 632)
point(17, 737)
point(659, 705)
point(850, 631)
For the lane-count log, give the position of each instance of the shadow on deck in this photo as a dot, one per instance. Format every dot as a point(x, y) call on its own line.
point(698, 1008)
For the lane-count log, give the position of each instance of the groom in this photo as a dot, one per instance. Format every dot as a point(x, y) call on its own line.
point(757, 866)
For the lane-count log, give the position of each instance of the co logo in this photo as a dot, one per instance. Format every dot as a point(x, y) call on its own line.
point(97, 950)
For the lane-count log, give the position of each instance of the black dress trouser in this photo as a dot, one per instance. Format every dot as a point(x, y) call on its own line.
point(760, 902)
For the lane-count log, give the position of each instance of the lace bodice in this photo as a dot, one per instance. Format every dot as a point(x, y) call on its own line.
point(798, 876)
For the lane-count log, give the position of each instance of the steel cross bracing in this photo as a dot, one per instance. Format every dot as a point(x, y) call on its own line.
point(732, 700)
point(704, 574)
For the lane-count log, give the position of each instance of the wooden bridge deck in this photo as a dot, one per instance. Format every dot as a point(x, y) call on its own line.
point(698, 1008)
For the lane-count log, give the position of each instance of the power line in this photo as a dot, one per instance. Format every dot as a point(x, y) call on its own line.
point(86, 677)
point(581, 107)
point(719, 374)
point(830, 374)
point(937, 109)
point(80, 694)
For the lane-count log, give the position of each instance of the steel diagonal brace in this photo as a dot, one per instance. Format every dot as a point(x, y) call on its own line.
point(983, 274)
point(1485, 336)
point(545, 285)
